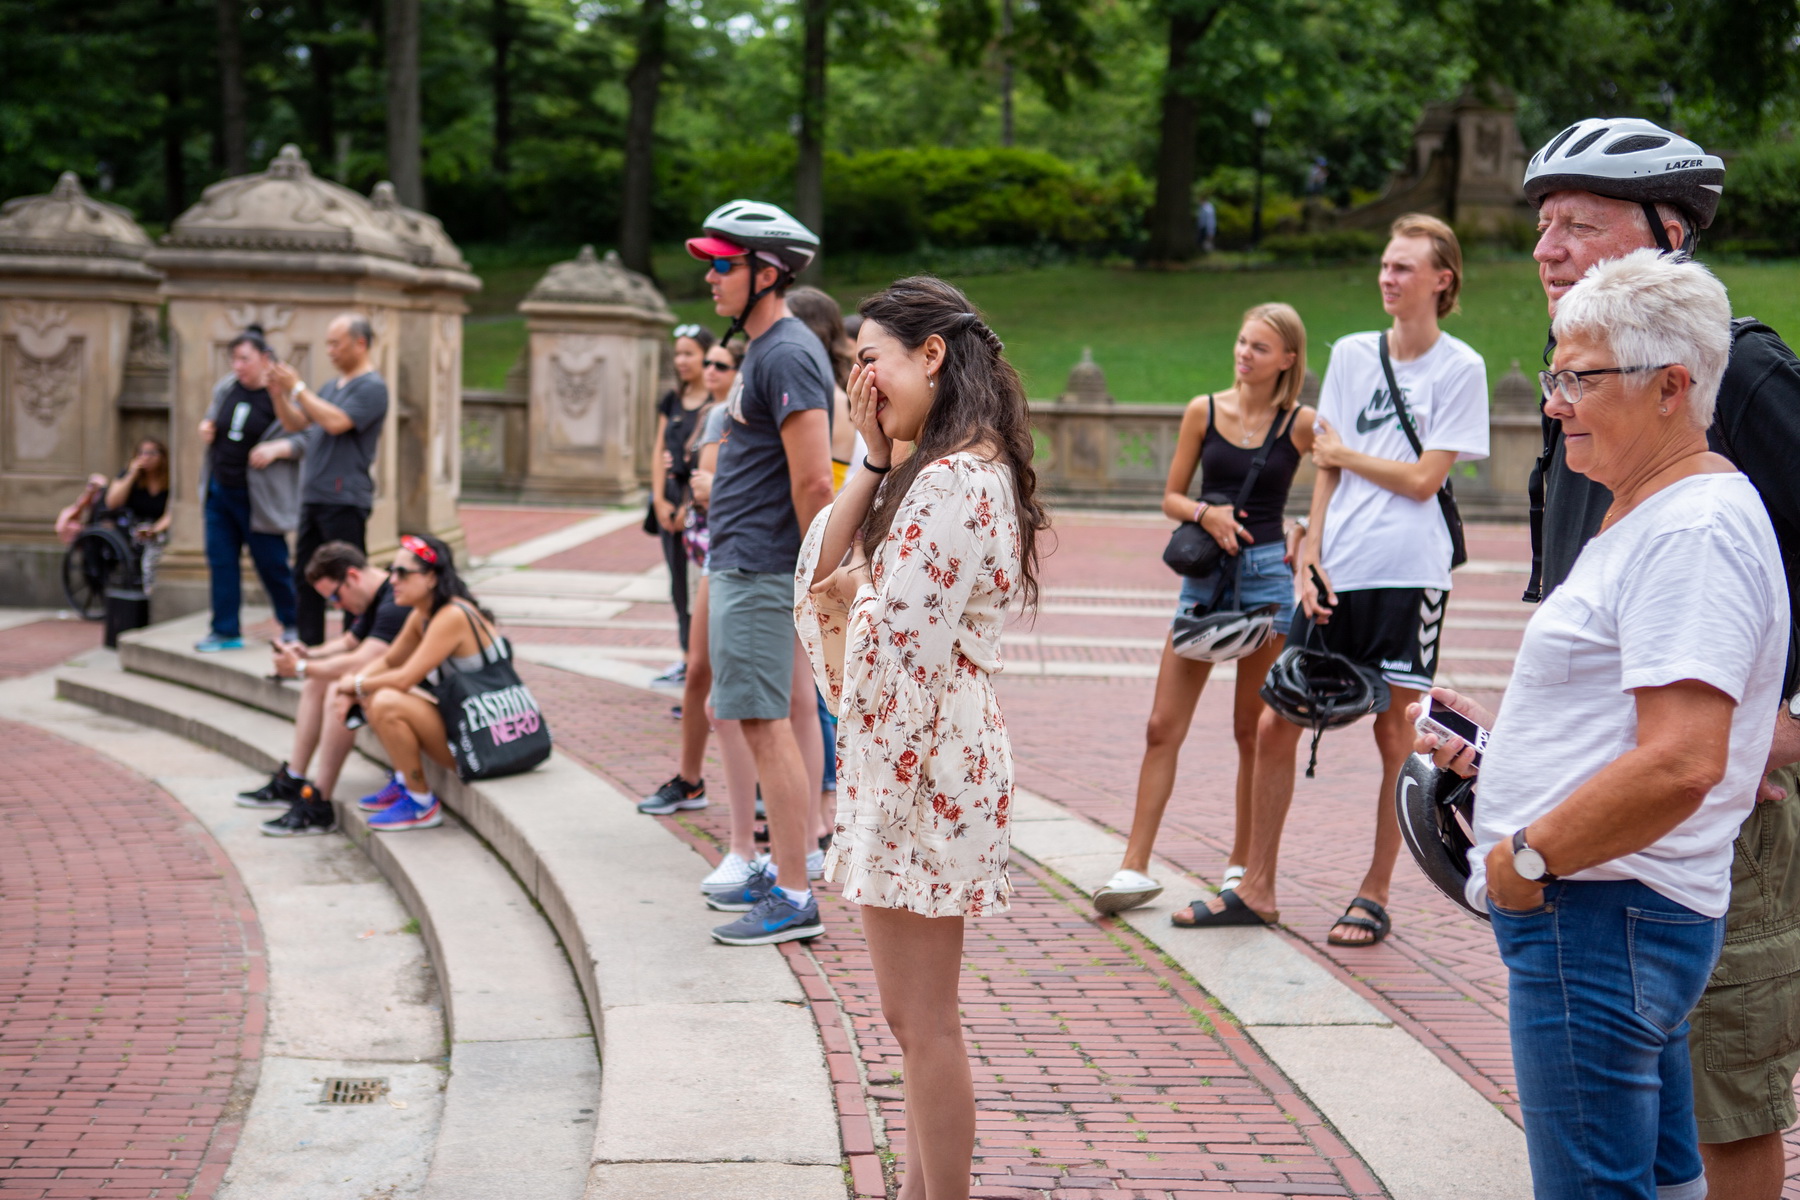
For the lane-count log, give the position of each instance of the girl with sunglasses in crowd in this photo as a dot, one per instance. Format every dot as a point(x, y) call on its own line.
point(447, 631)
point(678, 416)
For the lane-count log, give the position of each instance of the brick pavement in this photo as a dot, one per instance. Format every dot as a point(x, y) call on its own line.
point(491, 527)
point(132, 983)
point(26, 649)
point(1100, 1072)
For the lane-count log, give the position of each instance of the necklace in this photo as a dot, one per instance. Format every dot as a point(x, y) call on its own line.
point(1244, 430)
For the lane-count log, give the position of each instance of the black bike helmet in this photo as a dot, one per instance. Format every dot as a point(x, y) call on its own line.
point(1319, 690)
point(1628, 158)
point(1437, 816)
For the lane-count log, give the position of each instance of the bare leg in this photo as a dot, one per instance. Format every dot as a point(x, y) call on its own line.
point(1394, 738)
point(917, 963)
point(334, 747)
point(786, 795)
point(1271, 794)
point(740, 784)
point(408, 725)
point(1750, 1169)
point(1179, 682)
point(803, 715)
point(307, 723)
point(694, 723)
point(1247, 708)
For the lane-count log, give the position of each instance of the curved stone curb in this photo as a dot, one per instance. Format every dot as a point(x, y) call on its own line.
point(674, 1011)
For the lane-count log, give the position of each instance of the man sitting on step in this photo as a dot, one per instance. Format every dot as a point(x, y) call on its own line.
point(341, 575)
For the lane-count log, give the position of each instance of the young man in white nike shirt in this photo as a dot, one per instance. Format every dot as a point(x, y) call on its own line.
point(1380, 541)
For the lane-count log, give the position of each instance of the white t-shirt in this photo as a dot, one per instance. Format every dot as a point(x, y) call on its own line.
point(1375, 538)
point(1688, 585)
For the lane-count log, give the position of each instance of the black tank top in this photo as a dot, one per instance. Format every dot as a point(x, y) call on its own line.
point(1224, 465)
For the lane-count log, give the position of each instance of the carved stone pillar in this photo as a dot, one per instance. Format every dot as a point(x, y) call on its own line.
point(72, 279)
point(289, 251)
point(596, 337)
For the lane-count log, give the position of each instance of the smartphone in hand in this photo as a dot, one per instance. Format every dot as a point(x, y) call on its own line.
point(1446, 723)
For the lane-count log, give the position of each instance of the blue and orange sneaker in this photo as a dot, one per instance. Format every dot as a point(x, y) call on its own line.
point(391, 791)
point(775, 919)
point(407, 813)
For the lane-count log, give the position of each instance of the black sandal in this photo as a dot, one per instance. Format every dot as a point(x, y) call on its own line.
point(1235, 912)
point(1379, 927)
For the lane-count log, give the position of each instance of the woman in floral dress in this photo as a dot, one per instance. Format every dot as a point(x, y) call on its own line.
point(900, 596)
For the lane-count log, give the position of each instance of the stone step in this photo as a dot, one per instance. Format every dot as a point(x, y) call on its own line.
point(675, 1012)
point(524, 1077)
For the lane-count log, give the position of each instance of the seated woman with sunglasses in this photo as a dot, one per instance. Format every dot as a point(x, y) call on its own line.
point(447, 630)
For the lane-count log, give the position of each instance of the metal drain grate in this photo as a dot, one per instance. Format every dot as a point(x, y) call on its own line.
point(353, 1091)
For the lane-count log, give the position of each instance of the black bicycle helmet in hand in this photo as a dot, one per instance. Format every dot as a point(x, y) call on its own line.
point(1437, 815)
point(1319, 689)
point(1628, 158)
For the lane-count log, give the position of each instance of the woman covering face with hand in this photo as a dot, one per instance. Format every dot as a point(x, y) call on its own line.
point(900, 597)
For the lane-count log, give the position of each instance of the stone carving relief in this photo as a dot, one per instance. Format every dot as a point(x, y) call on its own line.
point(577, 375)
point(146, 351)
point(42, 394)
point(41, 326)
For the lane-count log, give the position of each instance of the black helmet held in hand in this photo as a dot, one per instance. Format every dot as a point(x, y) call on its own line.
point(1437, 814)
point(1319, 689)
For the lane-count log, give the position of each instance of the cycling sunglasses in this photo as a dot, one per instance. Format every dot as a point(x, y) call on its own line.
point(725, 266)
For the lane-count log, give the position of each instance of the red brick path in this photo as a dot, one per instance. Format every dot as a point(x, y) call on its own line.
point(491, 527)
point(27, 649)
point(1099, 1071)
point(132, 983)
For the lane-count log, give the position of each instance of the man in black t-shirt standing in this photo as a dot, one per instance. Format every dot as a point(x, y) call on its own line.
point(337, 485)
point(338, 573)
point(246, 445)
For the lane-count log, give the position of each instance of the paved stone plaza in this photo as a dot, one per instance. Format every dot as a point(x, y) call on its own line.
point(1118, 1059)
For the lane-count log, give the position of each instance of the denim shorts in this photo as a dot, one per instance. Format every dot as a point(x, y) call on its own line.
point(1263, 578)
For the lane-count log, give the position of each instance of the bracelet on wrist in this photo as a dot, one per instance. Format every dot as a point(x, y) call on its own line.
point(300, 669)
point(1200, 511)
point(357, 682)
point(878, 470)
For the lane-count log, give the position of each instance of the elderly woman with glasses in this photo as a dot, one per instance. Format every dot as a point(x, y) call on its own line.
point(1631, 741)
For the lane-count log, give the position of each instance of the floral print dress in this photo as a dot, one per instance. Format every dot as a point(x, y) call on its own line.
point(925, 773)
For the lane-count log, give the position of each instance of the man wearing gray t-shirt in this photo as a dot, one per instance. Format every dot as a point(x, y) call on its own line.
point(337, 488)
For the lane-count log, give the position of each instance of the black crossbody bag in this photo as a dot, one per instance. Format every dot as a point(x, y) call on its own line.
point(1196, 553)
point(1446, 498)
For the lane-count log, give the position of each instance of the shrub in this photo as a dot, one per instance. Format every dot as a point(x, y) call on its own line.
point(1334, 245)
point(1761, 208)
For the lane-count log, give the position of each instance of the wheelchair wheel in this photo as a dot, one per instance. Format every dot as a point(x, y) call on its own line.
point(99, 558)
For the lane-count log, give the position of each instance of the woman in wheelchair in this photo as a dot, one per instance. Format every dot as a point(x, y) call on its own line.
point(116, 531)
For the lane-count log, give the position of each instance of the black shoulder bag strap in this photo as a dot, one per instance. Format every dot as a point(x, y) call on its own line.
point(1446, 498)
point(1243, 497)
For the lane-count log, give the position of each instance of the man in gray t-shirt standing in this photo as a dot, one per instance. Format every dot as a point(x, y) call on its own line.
point(337, 488)
point(774, 476)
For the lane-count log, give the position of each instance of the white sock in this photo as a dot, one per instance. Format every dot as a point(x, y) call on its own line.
point(291, 773)
point(422, 799)
point(799, 899)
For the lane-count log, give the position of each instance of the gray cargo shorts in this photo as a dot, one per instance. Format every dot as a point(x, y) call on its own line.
point(750, 638)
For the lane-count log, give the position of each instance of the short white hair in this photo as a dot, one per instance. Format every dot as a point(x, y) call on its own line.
point(1650, 308)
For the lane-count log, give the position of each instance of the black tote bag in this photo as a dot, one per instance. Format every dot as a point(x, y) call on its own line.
point(493, 721)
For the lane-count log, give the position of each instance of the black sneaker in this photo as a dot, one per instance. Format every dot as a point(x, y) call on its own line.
point(306, 817)
point(281, 790)
point(673, 796)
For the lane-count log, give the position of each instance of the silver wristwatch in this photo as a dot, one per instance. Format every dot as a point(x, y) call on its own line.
point(1528, 862)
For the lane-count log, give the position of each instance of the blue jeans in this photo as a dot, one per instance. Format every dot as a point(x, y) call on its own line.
point(227, 533)
point(828, 731)
point(1602, 978)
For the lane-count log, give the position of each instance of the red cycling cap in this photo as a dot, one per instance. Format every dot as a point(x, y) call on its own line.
point(704, 248)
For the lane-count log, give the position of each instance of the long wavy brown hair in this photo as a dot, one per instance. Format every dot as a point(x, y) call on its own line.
point(979, 401)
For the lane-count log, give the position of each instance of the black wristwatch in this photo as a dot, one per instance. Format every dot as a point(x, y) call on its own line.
point(1528, 862)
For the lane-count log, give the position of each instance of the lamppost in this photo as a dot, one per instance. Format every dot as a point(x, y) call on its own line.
point(1260, 118)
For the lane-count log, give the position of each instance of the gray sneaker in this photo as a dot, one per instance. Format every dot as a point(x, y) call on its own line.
point(775, 919)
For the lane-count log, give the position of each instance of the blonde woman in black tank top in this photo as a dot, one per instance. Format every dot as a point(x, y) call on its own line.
point(1270, 366)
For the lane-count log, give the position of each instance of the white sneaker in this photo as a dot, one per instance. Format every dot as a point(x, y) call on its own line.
point(815, 864)
point(1126, 889)
point(728, 876)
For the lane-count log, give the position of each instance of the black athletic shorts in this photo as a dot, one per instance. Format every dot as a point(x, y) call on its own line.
point(1395, 631)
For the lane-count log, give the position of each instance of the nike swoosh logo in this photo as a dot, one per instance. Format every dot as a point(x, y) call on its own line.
point(1365, 425)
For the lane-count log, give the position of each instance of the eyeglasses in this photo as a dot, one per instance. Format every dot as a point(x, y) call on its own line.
point(1567, 384)
point(715, 365)
point(400, 572)
point(335, 599)
point(685, 331)
point(725, 266)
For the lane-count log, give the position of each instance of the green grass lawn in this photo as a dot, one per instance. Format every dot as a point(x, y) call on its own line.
point(1164, 337)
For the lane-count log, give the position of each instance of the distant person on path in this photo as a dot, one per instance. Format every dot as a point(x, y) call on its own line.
point(1220, 438)
point(337, 484)
point(677, 419)
point(1381, 544)
point(446, 631)
point(1206, 225)
point(1592, 208)
point(774, 474)
point(901, 595)
point(251, 489)
point(1629, 747)
point(141, 493)
point(341, 574)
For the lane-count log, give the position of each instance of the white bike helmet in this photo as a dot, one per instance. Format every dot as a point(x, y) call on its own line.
point(761, 231)
point(1222, 636)
point(1628, 158)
